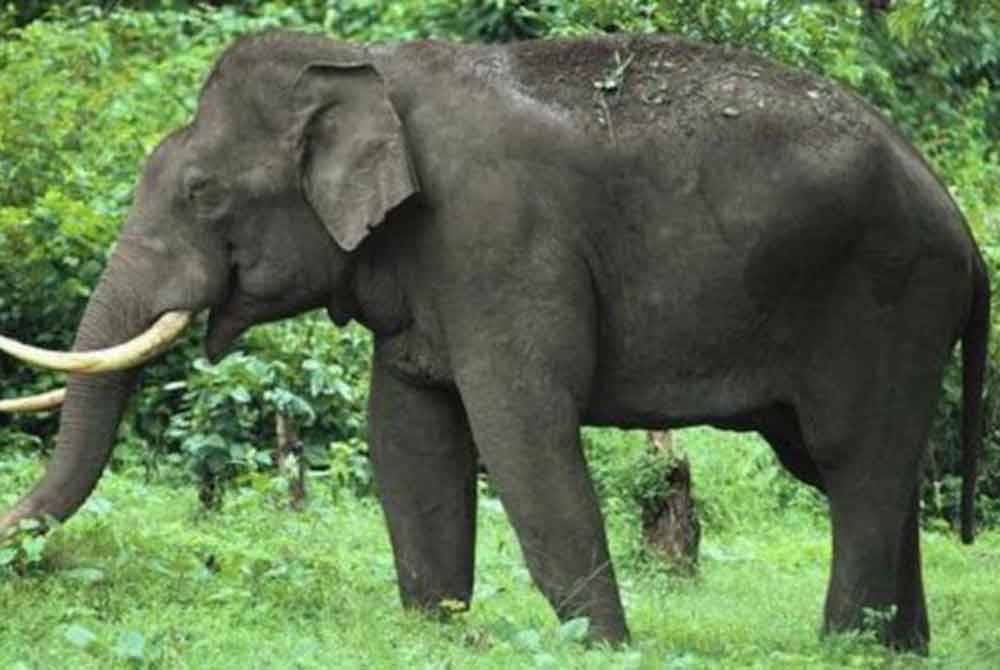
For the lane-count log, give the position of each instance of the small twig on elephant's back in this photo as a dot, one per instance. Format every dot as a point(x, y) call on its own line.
point(608, 120)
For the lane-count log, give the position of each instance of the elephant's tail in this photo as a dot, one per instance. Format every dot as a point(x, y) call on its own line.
point(975, 344)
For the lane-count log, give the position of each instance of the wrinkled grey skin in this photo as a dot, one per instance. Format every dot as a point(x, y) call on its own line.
point(706, 239)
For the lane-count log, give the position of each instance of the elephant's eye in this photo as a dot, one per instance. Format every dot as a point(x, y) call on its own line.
point(205, 194)
point(196, 189)
point(196, 184)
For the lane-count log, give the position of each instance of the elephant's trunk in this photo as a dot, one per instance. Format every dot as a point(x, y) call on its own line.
point(93, 405)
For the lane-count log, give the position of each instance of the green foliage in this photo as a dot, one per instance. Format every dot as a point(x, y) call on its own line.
point(23, 551)
point(942, 485)
point(501, 20)
point(302, 369)
point(737, 483)
point(392, 21)
point(621, 465)
point(258, 587)
point(82, 100)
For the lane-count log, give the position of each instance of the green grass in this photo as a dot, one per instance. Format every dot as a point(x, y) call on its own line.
point(142, 578)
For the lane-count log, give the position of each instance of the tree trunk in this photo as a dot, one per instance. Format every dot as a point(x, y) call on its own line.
point(670, 523)
point(289, 446)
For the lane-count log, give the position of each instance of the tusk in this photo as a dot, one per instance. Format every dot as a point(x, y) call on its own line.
point(136, 351)
point(34, 403)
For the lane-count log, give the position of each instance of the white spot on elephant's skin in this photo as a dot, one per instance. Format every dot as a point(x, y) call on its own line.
point(495, 69)
point(554, 113)
point(656, 298)
point(689, 184)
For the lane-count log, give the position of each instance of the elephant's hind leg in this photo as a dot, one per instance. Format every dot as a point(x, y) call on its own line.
point(425, 467)
point(866, 412)
point(871, 479)
point(868, 439)
point(875, 582)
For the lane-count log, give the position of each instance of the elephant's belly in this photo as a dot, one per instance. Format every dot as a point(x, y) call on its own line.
point(706, 354)
point(645, 399)
point(692, 334)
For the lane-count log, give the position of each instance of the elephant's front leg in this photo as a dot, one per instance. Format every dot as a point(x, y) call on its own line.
point(425, 469)
point(526, 425)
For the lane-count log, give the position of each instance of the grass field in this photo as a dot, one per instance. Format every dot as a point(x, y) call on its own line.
point(143, 578)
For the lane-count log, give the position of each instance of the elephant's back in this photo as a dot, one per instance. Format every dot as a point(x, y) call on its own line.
point(624, 90)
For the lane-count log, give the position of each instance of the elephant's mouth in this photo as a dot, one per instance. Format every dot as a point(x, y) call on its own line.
point(224, 325)
point(224, 321)
point(251, 300)
point(230, 318)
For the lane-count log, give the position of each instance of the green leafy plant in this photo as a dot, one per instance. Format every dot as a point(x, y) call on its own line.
point(23, 551)
point(304, 370)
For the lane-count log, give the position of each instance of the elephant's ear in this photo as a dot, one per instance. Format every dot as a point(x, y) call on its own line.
point(354, 162)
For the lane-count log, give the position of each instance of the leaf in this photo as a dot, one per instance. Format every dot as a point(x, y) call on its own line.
point(130, 645)
point(98, 506)
point(79, 636)
point(453, 606)
point(543, 660)
point(29, 525)
point(7, 556)
point(678, 660)
point(240, 395)
point(528, 639)
point(33, 548)
point(575, 630)
point(504, 630)
point(89, 575)
point(157, 566)
point(226, 594)
point(491, 505)
point(279, 570)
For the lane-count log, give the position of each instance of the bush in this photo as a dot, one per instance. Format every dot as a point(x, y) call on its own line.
point(84, 99)
point(301, 369)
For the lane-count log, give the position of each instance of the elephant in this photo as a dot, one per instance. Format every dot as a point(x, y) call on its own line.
point(630, 231)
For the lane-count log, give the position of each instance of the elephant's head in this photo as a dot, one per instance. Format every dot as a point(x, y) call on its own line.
point(250, 212)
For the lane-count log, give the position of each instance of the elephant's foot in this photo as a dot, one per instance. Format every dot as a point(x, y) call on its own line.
point(875, 584)
point(438, 607)
point(612, 631)
point(911, 640)
point(898, 632)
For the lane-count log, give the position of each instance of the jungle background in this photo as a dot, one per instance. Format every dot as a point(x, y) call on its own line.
point(189, 555)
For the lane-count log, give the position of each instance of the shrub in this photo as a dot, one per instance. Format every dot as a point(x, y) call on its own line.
point(84, 98)
point(304, 370)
